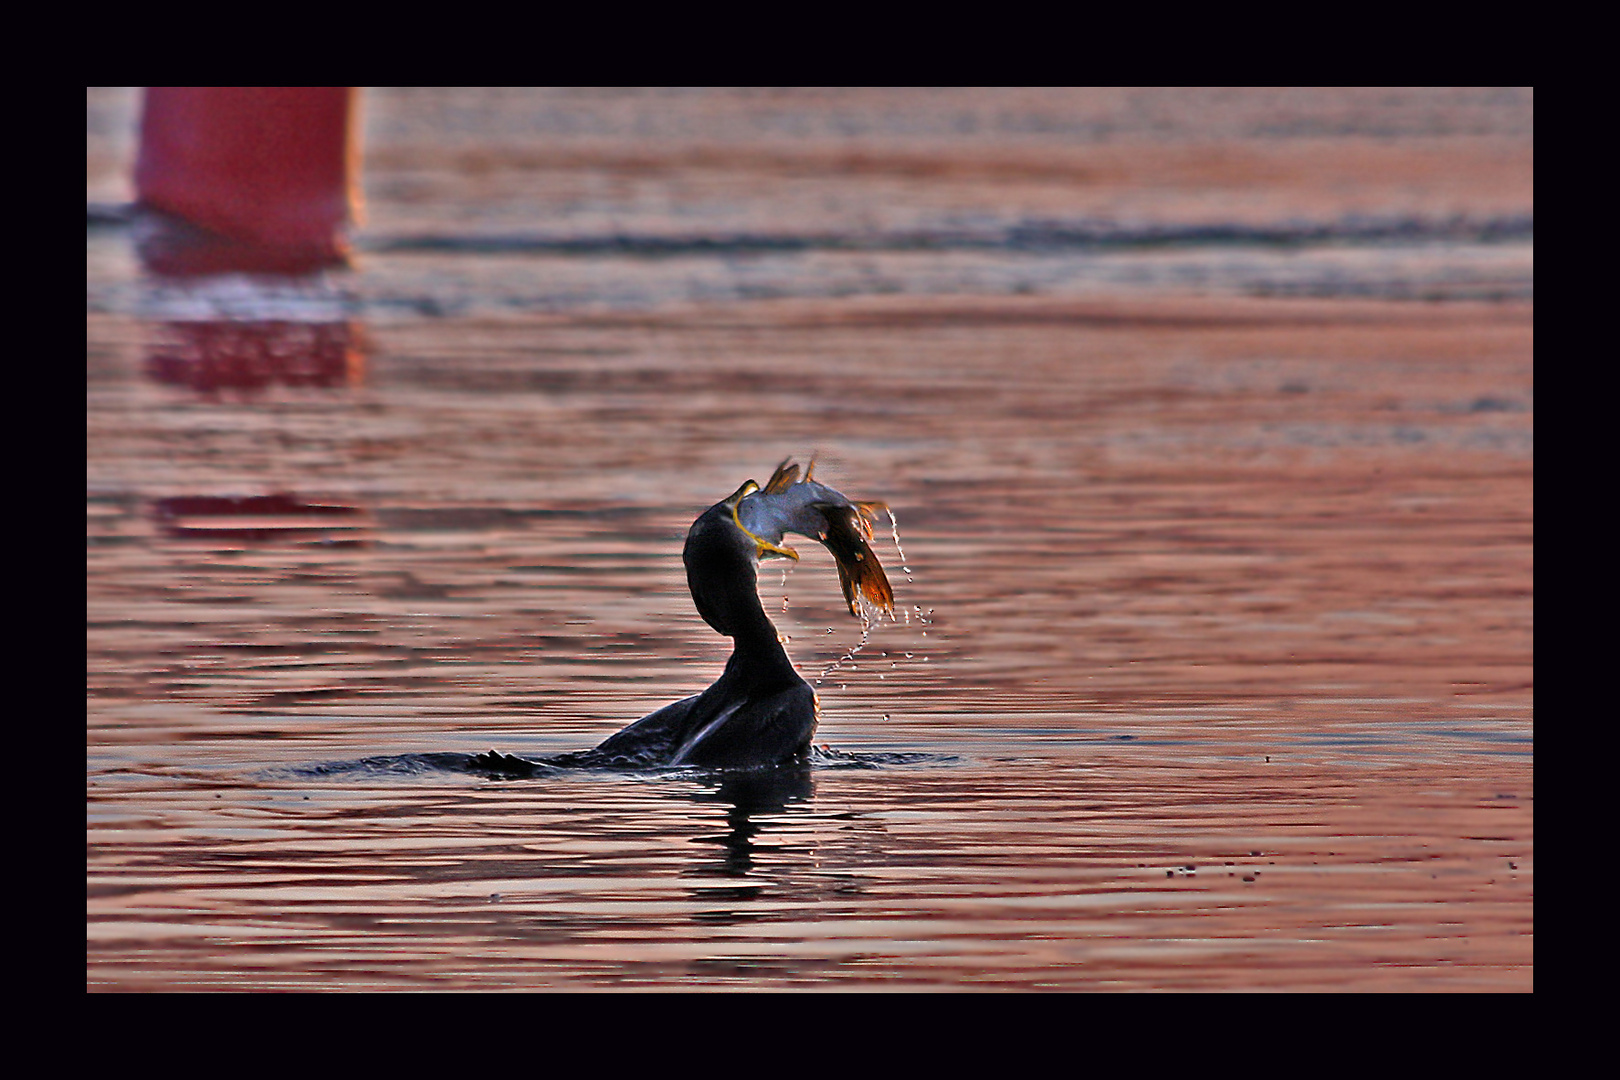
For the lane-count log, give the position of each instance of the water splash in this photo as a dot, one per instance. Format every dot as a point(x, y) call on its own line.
point(783, 585)
point(894, 531)
point(868, 623)
point(871, 615)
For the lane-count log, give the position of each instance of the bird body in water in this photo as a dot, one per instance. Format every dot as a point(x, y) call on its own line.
point(759, 711)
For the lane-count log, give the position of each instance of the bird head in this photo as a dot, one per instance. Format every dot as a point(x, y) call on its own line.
point(844, 526)
point(727, 541)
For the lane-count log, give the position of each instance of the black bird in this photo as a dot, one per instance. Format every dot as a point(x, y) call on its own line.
point(759, 712)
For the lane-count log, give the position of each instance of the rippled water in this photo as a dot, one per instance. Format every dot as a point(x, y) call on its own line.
point(1218, 664)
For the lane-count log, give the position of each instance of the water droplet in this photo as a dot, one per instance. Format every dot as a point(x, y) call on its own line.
point(894, 530)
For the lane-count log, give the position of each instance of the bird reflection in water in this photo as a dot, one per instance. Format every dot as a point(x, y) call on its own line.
point(748, 793)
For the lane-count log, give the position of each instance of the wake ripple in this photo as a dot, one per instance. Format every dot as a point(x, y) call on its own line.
point(494, 765)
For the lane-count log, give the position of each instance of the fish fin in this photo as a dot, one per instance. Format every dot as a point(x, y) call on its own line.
point(869, 512)
point(785, 476)
point(859, 572)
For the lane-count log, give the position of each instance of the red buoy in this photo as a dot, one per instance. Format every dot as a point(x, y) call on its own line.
point(247, 178)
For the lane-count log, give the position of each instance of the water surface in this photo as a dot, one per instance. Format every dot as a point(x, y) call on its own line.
point(1217, 665)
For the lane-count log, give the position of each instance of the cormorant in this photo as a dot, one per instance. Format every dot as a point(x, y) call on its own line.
point(759, 711)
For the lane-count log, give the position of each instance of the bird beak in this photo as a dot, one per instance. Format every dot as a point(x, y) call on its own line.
point(762, 546)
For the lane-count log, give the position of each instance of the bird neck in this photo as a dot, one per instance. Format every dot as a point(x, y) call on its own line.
point(756, 646)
